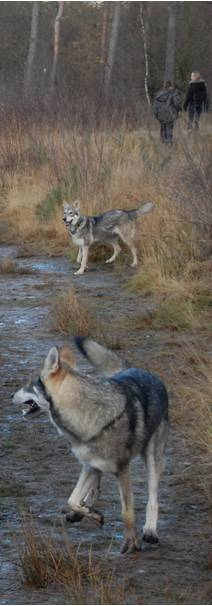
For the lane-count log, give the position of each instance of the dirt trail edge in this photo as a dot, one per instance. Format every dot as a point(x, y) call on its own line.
point(38, 471)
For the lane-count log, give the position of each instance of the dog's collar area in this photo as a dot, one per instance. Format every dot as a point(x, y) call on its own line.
point(80, 223)
point(42, 388)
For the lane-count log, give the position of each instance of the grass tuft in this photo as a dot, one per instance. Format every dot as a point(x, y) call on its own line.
point(175, 316)
point(192, 391)
point(81, 578)
point(8, 266)
point(70, 316)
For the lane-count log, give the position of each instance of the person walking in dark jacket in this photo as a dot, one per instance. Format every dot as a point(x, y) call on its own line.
point(196, 100)
point(167, 105)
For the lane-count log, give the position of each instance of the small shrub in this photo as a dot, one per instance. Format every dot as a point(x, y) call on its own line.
point(47, 207)
point(82, 579)
point(70, 316)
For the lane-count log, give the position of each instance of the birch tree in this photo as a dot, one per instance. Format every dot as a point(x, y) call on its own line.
point(171, 42)
point(144, 28)
point(28, 77)
point(56, 45)
point(116, 13)
point(104, 34)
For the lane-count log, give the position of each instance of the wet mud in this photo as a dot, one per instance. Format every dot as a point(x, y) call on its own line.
point(38, 470)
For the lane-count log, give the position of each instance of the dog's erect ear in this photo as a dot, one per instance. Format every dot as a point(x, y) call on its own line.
point(67, 356)
point(52, 361)
point(66, 206)
point(76, 205)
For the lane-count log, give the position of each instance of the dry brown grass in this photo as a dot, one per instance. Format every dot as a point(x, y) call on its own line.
point(191, 378)
point(83, 579)
point(107, 170)
point(170, 314)
point(183, 302)
point(70, 316)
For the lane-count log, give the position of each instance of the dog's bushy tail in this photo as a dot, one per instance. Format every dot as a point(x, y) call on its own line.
point(104, 360)
point(141, 210)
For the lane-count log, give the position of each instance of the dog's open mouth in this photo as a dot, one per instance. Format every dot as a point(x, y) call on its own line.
point(31, 407)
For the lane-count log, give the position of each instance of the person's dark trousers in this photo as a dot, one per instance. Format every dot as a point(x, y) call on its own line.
point(194, 112)
point(166, 131)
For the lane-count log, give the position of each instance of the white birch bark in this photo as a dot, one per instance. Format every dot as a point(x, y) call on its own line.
point(144, 28)
point(56, 45)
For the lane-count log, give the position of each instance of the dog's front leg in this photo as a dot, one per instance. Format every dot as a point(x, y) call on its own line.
point(79, 255)
point(131, 536)
point(84, 495)
point(83, 261)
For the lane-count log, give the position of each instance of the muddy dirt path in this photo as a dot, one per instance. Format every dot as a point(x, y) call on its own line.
point(38, 471)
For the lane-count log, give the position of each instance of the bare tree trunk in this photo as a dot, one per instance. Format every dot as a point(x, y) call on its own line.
point(144, 27)
point(56, 45)
point(104, 34)
point(28, 77)
point(112, 48)
point(170, 46)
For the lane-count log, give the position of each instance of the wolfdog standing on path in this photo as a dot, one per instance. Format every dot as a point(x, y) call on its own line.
point(109, 420)
point(109, 228)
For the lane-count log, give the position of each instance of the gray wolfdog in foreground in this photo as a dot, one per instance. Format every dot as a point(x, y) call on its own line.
point(107, 228)
point(109, 417)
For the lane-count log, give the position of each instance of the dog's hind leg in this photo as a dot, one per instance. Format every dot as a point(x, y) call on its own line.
point(155, 460)
point(115, 254)
point(127, 235)
point(134, 254)
point(131, 537)
point(84, 495)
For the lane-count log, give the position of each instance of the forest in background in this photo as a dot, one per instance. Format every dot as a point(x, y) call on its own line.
point(78, 56)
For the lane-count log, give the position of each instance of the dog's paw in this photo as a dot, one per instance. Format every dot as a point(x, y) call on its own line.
point(149, 536)
point(73, 516)
point(79, 272)
point(131, 544)
point(95, 515)
point(99, 518)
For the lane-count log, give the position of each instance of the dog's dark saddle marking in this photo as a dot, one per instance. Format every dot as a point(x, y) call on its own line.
point(141, 386)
